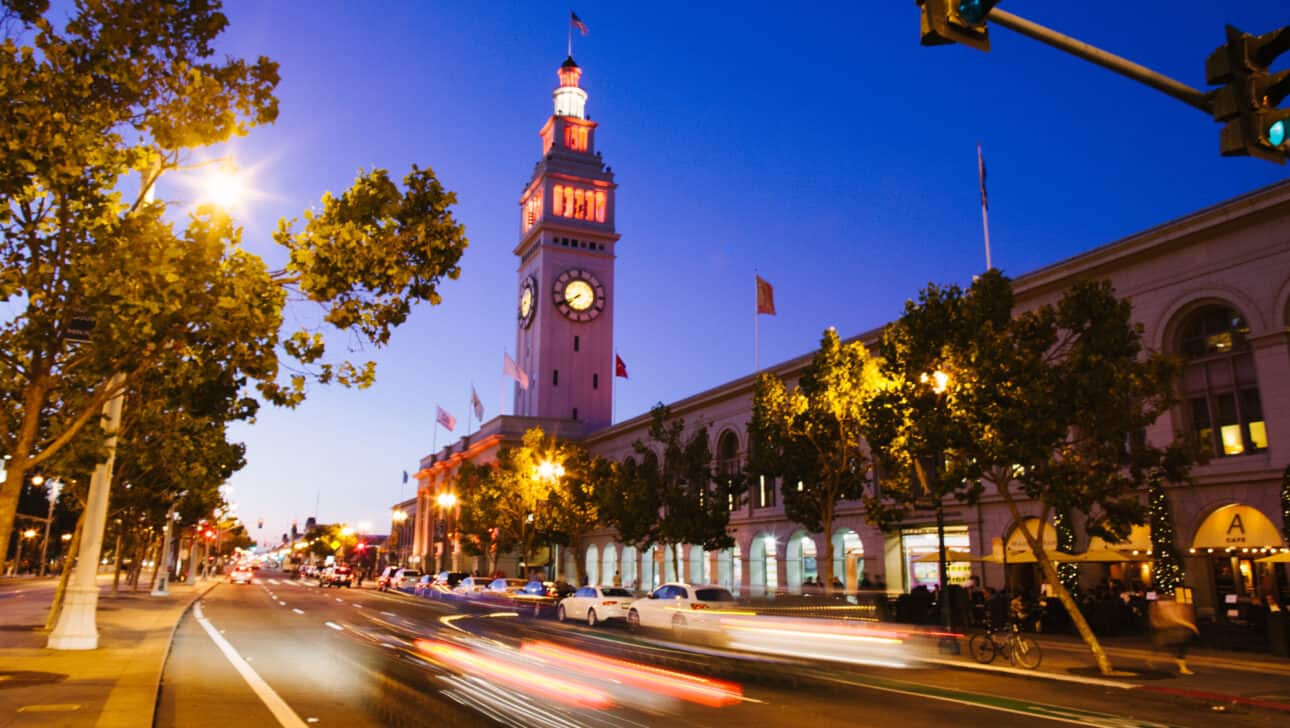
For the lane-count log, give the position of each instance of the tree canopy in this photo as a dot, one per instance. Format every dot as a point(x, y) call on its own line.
point(97, 111)
point(812, 436)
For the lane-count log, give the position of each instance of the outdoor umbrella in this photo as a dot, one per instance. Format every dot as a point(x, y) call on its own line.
point(1282, 557)
point(1104, 556)
point(950, 555)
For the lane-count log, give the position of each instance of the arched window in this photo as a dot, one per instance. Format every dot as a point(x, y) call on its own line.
point(728, 465)
point(1220, 388)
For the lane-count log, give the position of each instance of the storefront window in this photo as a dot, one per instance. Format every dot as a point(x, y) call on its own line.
point(916, 543)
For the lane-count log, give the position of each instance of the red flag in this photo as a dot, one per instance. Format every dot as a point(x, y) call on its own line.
point(765, 297)
point(620, 367)
point(577, 22)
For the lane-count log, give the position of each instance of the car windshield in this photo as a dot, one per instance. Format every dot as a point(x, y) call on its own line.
point(615, 592)
point(411, 574)
point(713, 595)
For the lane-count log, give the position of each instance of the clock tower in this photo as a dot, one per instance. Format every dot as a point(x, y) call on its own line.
point(565, 305)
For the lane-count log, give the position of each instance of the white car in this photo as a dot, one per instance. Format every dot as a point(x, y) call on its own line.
point(471, 585)
point(506, 586)
point(679, 607)
point(595, 604)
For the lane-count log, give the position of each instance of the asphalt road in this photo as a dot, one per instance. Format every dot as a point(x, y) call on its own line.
point(297, 655)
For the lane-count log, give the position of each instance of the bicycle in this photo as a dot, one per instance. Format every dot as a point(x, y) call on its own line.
point(1021, 649)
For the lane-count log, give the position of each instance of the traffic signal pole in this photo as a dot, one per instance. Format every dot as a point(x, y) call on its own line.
point(1192, 97)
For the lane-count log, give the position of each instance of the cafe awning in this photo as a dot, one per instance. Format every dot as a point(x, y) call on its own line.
point(1237, 527)
point(951, 555)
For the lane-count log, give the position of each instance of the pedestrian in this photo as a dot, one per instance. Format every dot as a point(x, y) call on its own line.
point(1172, 628)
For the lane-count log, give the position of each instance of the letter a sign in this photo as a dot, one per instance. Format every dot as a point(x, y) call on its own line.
point(1236, 524)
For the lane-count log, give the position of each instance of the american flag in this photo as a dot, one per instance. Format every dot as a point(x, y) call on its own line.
point(577, 22)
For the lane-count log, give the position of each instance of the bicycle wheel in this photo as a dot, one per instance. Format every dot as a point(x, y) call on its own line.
point(1025, 651)
point(981, 647)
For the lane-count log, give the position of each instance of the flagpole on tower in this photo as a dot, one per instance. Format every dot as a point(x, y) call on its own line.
point(756, 328)
point(470, 405)
point(985, 205)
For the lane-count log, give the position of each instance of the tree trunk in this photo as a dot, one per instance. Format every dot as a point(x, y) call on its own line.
point(33, 400)
point(1055, 583)
point(826, 569)
point(116, 566)
point(73, 548)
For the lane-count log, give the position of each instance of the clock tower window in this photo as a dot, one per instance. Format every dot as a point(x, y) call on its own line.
point(575, 343)
point(555, 377)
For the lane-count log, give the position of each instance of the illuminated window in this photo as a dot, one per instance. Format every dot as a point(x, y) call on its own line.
point(580, 204)
point(1219, 384)
point(575, 138)
point(532, 208)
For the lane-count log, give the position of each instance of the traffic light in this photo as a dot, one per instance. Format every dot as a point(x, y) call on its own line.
point(1248, 101)
point(956, 21)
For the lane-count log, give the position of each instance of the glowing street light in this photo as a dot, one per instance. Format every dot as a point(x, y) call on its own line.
point(222, 187)
point(549, 470)
point(446, 500)
point(347, 531)
point(938, 379)
point(399, 516)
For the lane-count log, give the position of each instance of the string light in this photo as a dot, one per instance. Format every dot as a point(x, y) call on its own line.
point(1067, 572)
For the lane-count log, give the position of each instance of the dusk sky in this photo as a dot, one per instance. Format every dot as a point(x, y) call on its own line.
point(821, 146)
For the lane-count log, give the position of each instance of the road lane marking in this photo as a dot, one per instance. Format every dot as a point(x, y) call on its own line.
point(389, 614)
point(335, 626)
point(285, 716)
point(273, 582)
point(339, 599)
point(298, 611)
point(282, 602)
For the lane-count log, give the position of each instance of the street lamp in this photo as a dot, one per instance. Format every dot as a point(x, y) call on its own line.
point(54, 487)
point(939, 381)
point(447, 501)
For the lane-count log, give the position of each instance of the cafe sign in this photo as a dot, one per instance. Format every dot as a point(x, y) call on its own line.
point(1236, 527)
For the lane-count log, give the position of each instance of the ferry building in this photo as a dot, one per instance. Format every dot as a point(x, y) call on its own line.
point(1212, 287)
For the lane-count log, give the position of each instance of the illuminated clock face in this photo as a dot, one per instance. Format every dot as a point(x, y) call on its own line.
point(578, 295)
point(528, 301)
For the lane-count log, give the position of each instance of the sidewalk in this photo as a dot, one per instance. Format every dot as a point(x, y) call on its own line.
point(1221, 677)
point(112, 686)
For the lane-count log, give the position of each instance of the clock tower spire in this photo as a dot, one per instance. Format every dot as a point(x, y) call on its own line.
point(565, 333)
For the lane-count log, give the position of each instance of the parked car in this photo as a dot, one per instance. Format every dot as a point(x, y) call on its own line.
point(383, 580)
point(678, 607)
point(240, 574)
point(437, 585)
point(404, 579)
point(548, 589)
point(471, 585)
point(506, 587)
point(596, 604)
point(336, 576)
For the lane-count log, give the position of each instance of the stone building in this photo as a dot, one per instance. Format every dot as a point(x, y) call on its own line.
point(1212, 287)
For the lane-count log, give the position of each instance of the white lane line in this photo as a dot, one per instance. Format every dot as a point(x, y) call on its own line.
point(286, 717)
point(389, 614)
point(298, 611)
point(356, 604)
point(273, 582)
point(339, 599)
point(282, 602)
point(335, 626)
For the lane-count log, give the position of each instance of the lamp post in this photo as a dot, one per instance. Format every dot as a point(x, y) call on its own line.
point(17, 560)
point(162, 589)
point(446, 501)
point(398, 517)
point(939, 382)
point(54, 487)
point(550, 471)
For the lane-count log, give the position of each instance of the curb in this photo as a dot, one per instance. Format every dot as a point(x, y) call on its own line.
point(170, 642)
point(1019, 672)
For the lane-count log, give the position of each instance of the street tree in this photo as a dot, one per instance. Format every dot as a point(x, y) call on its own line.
point(573, 507)
point(811, 437)
point(1047, 404)
point(100, 108)
point(677, 498)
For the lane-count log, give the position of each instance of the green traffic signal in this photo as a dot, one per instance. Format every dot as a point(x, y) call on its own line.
point(974, 11)
point(1277, 133)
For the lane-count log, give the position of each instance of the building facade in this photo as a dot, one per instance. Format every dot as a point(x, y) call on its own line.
point(1212, 288)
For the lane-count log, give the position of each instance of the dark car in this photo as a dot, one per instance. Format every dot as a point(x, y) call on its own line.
point(543, 594)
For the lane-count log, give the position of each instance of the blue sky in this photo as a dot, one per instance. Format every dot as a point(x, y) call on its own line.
point(821, 146)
